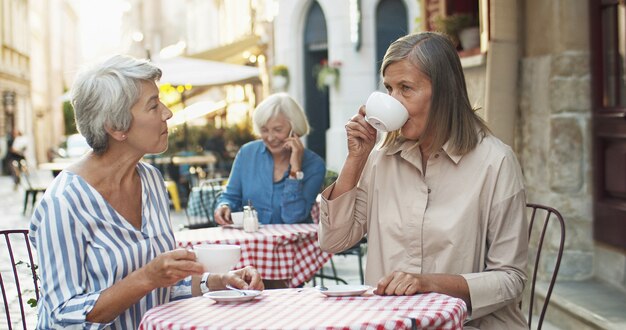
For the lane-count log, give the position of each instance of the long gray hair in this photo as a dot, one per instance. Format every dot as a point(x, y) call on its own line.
point(451, 118)
point(103, 95)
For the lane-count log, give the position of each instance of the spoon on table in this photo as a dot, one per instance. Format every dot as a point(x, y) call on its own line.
point(321, 287)
point(242, 292)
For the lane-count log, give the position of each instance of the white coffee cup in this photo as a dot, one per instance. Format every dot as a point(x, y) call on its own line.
point(384, 112)
point(217, 258)
point(237, 218)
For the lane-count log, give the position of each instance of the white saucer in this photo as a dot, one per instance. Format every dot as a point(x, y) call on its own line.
point(344, 290)
point(232, 296)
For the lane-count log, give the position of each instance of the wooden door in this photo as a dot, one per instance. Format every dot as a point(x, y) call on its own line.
point(608, 53)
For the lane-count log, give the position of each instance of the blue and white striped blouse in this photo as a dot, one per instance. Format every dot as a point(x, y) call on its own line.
point(84, 246)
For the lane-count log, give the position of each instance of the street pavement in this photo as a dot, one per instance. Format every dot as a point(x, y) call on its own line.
point(11, 217)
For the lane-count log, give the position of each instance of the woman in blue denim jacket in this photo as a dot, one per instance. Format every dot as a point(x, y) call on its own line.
point(277, 175)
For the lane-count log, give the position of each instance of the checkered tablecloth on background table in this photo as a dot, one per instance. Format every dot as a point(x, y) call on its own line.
point(309, 309)
point(278, 252)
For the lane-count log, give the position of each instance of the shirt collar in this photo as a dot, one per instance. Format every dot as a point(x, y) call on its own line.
point(407, 146)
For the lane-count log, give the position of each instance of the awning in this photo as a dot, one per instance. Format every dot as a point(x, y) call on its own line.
point(232, 52)
point(190, 71)
point(196, 110)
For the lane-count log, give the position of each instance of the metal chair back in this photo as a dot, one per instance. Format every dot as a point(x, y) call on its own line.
point(551, 215)
point(13, 286)
point(33, 183)
point(210, 191)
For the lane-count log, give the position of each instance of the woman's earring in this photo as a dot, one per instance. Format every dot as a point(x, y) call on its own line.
point(123, 136)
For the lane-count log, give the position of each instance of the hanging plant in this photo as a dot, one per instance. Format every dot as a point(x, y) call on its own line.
point(280, 70)
point(280, 77)
point(327, 74)
point(452, 25)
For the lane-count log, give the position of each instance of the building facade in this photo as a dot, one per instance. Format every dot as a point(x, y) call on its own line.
point(531, 78)
point(55, 58)
point(15, 71)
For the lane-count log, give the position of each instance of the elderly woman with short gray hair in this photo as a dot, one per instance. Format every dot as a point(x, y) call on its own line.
point(102, 230)
point(277, 174)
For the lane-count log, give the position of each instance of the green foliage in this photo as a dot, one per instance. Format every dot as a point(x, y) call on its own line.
point(453, 24)
point(327, 74)
point(280, 70)
point(32, 302)
point(240, 134)
point(68, 119)
point(223, 141)
point(330, 177)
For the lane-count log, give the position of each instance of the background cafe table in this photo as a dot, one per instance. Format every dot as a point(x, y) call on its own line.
point(278, 252)
point(308, 309)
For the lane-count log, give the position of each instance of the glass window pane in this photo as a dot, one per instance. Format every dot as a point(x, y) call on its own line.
point(609, 69)
point(621, 40)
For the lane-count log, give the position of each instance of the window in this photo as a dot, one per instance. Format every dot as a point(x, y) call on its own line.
point(608, 52)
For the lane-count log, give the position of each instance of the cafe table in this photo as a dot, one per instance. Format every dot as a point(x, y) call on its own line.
point(286, 252)
point(307, 308)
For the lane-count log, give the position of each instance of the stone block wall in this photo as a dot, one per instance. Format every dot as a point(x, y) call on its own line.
point(553, 144)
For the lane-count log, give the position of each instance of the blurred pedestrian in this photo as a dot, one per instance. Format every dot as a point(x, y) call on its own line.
point(18, 144)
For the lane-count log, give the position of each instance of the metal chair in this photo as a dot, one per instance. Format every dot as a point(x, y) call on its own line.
point(13, 284)
point(550, 215)
point(32, 183)
point(357, 250)
point(209, 192)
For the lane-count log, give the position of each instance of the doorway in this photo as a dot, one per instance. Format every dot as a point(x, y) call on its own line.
point(391, 24)
point(317, 103)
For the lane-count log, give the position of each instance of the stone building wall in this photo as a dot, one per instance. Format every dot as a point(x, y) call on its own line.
point(554, 146)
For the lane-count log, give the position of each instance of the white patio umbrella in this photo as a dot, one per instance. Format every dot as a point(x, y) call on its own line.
point(195, 72)
point(194, 111)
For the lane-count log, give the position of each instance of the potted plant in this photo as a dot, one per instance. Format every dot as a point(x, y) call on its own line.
point(462, 29)
point(280, 77)
point(327, 74)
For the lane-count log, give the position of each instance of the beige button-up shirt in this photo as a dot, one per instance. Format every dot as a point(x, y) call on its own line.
point(465, 216)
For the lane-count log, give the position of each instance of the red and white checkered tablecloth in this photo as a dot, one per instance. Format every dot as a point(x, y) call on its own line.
point(308, 309)
point(278, 252)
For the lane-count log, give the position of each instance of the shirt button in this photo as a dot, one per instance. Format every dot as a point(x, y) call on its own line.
point(429, 190)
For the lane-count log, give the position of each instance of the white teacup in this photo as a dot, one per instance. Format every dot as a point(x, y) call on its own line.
point(237, 218)
point(217, 258)
point(384, 112)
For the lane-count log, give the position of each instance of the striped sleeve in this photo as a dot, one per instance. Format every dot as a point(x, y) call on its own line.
point(56, 229)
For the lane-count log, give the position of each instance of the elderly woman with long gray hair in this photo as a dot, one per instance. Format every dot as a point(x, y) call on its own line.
point(441, 200)
point(102, 230)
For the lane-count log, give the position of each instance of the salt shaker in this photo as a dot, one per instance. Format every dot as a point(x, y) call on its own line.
point(250, 220)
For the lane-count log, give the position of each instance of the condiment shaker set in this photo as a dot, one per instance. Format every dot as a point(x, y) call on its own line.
point(250, 219)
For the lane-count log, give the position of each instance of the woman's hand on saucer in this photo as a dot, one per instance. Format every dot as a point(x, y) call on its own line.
point(222, 215)
point(247, 278)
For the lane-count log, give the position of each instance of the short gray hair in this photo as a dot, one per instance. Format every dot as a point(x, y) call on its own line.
point(102, 96)
point(284, 104)
point(452, 118)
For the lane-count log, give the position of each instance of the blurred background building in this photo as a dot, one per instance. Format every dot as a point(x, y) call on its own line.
point(547, 76)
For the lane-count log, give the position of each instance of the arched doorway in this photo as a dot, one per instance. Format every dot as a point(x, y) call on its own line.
point(391, 23)
point(316, 101)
